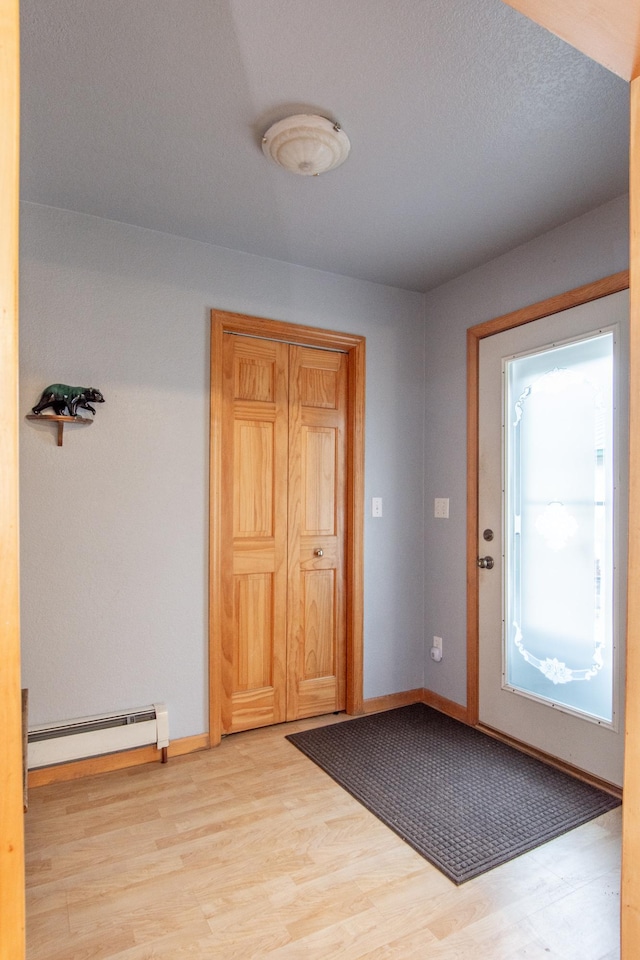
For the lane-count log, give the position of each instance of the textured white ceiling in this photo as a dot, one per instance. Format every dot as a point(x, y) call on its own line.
point(472, 129)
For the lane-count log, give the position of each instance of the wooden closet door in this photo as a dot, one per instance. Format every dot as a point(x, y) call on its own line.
point(254, 536)
point(317, 491)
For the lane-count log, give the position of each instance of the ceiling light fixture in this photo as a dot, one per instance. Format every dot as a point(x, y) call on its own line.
point(306, 144)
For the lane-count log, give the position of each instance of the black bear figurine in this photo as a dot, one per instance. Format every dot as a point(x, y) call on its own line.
point(61, 397)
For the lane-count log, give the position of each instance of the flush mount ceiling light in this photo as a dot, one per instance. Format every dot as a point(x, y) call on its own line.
point(306, 144)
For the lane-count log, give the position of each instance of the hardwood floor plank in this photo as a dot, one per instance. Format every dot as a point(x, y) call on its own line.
point(580, 924)
point(508, 892)
point(94, 886)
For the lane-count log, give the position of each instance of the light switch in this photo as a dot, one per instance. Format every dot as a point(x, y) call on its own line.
point(441, 508)
point(376, 506)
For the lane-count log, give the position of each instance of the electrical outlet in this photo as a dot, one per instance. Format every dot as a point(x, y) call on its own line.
point(441, 508)
point(437, 642)
point(436, 649)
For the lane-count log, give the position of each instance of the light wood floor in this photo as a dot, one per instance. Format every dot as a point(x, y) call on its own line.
point(250, 851)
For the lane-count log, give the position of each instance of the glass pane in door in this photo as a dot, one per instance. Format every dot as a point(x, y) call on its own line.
point(559, 526)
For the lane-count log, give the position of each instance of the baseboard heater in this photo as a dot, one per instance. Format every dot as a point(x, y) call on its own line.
point(80, 739)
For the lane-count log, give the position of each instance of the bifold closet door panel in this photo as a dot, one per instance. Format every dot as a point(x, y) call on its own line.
point(254, 452)
point(316, 553)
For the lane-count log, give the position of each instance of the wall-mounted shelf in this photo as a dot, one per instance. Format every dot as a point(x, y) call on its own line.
point(60, 420)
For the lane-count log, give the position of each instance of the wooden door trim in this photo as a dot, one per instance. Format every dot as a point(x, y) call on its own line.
point(608, 31)
point(630, 891)
point(564, 301)
point(12, 900)
point(354, 347)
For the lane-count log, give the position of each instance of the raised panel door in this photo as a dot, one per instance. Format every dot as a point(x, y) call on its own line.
point(254, 541)
point(316, 537)
point(283, 549)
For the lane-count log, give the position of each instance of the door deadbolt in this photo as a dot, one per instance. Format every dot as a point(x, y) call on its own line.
point(485, 563)
point(487, 535)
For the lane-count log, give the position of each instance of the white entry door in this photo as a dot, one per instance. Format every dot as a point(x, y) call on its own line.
point(553, 426)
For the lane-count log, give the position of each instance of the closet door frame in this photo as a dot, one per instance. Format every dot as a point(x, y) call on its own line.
point(354, 348)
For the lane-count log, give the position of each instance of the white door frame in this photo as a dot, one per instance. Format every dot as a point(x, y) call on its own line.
point(545, 308)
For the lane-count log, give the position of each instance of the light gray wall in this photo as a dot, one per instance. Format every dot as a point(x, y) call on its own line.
point(114, 523)
point(114, 542)
point(581, 251)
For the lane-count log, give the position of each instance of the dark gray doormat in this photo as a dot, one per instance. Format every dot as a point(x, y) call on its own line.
point(463, 800)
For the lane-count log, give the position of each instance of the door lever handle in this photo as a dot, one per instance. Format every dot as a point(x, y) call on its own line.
point(485, 563)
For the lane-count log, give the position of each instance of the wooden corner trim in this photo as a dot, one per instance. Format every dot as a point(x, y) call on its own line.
point(391, 701)
point(452, 709)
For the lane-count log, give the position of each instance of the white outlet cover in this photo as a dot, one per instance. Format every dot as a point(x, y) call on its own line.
point(441, 508)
